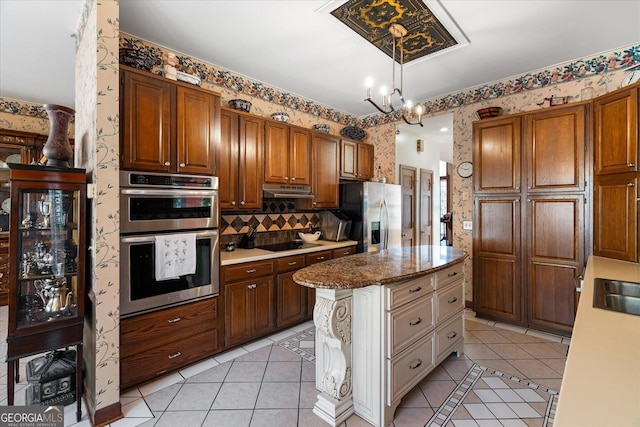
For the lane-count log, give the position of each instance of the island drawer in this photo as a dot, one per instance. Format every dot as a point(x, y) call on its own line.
point(317, 257)
point(405, 292)
point(144, 332)
point(247, 271)
point(290, 263)
point(449, 300)
point(409, 368)
point(408, 323)
point(449, 275)
point(157, 361)
point(448, 335)
point(339, 253)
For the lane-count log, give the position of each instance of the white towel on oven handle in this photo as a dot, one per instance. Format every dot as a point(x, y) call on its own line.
point(175, 255)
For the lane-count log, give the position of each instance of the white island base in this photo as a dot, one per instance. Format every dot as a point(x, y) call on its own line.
point(375, 343)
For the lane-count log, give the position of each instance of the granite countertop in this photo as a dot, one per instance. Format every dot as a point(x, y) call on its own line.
point(240, 255)
point(388, 266)
point(601, 381)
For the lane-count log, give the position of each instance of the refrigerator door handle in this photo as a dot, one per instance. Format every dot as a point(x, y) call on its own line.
point(384, 224)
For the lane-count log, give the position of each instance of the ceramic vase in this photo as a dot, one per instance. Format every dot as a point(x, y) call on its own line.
point(57, 149)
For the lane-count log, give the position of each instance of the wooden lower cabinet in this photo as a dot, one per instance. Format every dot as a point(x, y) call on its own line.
point(292, 303)
point(249, 302)
point(161, 341)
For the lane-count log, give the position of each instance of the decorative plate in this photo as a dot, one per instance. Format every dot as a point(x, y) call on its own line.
point(281, 117)
point(353, 132)
point(137, 59)
point(322, 127)
point(14, 158)
point(6, 205)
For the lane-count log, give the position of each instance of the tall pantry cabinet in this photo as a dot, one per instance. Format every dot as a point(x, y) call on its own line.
point(616, 191)
point(530, 211)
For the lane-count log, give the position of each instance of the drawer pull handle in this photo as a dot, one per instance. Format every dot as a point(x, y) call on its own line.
point(252, 286)
point(320, 258)
point(418, 289)
point(452, 300)
point(452, 335)
point(415, 364)
point(176, 320)
point(416, 322)
point(292, 263)
point(253, 270)
point(173, 356)
point(455, 273)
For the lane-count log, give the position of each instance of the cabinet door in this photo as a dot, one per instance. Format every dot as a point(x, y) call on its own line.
point(615, 218)
point(299, 156)
point(228, 160)
point(251, 166)
point(496, 154)
point(263, 306)
point(408, 176)
point(276, 166)
point(325, 173)
point(237, 303)
point(197, 134)
point(365, 161)
point(616, 132)
point(145, 123)
point(348, 159)
point(555, 257)
point(292, 300)
point(496, 264)
point(555, 147)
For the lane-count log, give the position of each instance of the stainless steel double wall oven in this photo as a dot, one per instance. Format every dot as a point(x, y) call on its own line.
point(151, 205)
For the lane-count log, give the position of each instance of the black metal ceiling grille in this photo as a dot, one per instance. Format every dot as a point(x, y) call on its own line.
point(372, 18)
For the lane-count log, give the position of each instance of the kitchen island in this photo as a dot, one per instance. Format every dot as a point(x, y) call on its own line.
point(601, 381)
point(383, 320)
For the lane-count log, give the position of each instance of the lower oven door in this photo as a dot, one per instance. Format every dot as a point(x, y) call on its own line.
point(139, 289)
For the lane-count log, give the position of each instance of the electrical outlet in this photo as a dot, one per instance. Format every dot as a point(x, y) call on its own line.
point(467, 225)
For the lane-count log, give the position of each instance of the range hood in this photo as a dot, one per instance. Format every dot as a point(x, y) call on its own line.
point(278, 191)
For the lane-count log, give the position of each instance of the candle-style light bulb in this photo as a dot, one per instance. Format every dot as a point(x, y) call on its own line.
point(368, 83)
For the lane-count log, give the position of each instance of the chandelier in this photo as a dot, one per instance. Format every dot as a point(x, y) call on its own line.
point(397, 31)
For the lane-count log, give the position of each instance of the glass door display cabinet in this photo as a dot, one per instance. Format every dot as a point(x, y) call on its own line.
point(46, 270)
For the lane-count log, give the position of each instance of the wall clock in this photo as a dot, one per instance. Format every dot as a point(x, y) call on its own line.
point(631, 77)
point(465, 169)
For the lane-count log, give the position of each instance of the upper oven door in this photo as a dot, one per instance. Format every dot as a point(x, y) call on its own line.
point(154, 209)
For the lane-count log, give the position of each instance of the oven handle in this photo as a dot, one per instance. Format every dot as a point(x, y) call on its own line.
point(152, 237)
point(175, 192)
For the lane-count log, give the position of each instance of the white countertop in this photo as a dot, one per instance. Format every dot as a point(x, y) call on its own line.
point(601, 382)
point(247, 255)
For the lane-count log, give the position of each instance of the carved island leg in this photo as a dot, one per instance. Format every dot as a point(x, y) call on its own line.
point(332, 318)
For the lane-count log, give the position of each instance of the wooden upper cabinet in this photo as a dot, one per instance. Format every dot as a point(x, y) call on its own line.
point(325, 174)
point(240, 163)
point(145, 122)
point(167, 126)
point(616, 135)
point(496, 154)
point(554, 140)
point(197, 132)
point(287, 154)
point(356, 160)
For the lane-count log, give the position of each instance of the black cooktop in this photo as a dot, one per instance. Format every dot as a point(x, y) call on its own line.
point(287, 246)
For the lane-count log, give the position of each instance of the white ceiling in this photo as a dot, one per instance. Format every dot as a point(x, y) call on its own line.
point(291, 45)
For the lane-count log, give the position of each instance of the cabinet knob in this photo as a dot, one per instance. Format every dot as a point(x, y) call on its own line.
point(631, 184)
point(293, 178)
point(233, 202)
point(404, 234)
point(182, 165)
point(632, 165)
point(242, 203)
point(167, 163)
point(287, 178)
point(314, 203)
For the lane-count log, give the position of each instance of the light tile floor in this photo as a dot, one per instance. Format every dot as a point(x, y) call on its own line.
point(271, 382)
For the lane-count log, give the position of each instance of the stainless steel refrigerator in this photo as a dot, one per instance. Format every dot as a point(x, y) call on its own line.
point(374, 209)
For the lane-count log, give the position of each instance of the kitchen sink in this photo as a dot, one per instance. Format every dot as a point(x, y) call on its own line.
point(617, 295)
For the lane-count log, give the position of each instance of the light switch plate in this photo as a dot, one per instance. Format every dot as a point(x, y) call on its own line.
point(467, 225)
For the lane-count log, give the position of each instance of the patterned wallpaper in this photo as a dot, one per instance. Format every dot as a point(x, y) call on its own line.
point(100, 142)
